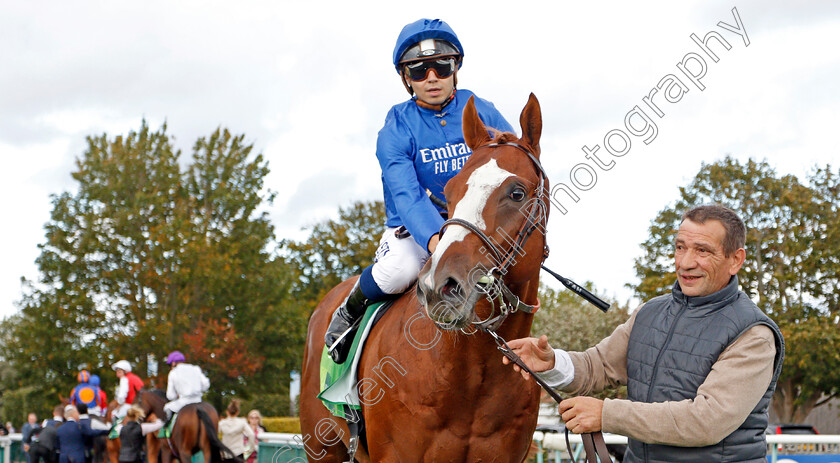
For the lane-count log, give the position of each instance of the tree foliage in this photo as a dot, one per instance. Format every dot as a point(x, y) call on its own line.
point(145, 257)
point(792, 270)
point(335, 250)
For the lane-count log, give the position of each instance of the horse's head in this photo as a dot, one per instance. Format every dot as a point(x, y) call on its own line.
point(151, 401)
point(494, 240)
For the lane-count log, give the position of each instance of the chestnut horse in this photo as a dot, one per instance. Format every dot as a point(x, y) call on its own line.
point(431, 383)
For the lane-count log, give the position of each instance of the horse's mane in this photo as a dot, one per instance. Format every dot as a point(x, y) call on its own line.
point(159, 392)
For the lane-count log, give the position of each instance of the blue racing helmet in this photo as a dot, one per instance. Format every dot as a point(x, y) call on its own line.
point(94, 380)
point(424, 39)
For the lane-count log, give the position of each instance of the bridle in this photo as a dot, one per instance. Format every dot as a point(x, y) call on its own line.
point(493, 286)
point(492, 283)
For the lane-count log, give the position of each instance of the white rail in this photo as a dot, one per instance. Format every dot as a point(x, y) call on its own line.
point(6, 445)
point(778, 445)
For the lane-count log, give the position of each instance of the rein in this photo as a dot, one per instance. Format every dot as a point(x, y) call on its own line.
point(593, 442)
point(492, 285)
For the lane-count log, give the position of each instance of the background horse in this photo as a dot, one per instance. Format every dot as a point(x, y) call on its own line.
point(112, 446)
point(432, 395)
point(196, 429)
point(152, 402)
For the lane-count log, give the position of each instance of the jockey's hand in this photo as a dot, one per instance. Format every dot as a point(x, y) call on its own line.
point(582, 414)
point(537, 354)
point(433, 242)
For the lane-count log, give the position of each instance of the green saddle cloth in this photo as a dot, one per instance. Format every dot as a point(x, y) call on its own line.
point(166, 431)
point(338, 381)
point(114, 433)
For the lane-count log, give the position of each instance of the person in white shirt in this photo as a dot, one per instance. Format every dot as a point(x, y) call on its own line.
point(129, 385)
point(235, 431)
point(185, 385)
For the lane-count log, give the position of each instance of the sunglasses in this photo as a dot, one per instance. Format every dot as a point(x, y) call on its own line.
point(419, 71)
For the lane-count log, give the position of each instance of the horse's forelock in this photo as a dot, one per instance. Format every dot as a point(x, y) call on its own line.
point(503, 137)
point(507, 137)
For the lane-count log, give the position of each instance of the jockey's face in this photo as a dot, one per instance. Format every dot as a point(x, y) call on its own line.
point(432, 90)
point(120, 373)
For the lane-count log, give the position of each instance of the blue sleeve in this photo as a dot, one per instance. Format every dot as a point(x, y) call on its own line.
point(491, 116)
point(394, 151)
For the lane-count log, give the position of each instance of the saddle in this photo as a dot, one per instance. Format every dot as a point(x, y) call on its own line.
point(338, 380)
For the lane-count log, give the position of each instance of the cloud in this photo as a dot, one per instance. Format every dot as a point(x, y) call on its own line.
point(311, 91)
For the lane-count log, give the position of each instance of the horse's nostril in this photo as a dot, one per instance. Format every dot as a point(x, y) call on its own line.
point(450, 289)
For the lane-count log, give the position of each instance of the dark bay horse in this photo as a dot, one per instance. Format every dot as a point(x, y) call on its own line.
point(196, 429)
point(152, 402)
point(431, 381)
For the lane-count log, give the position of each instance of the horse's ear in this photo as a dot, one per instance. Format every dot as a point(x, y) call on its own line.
point(475, 133)
point(531, 122)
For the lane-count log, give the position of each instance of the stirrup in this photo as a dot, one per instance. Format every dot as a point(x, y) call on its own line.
point(346, 333)
point(351, 450)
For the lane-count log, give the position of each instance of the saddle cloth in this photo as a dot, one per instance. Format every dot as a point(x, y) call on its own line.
point(166, 431)
point(338, 381)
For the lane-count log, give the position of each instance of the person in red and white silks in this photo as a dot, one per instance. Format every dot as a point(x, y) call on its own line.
point(130, 385)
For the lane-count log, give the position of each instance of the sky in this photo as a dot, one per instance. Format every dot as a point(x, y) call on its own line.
point(309, 84)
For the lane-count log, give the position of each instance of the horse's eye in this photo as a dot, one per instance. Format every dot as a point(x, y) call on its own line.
point(517, 194)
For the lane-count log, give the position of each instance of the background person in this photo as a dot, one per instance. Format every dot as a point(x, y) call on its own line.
point(43, 439)
point(102, 400)
point(130, 384)
point(71, 437)
point(26, 433)
point(255, 422)
point(700, 364)
point(185, 384)
point(131, 435)
point(86, 393)
point(420, 148)
point(236, 432)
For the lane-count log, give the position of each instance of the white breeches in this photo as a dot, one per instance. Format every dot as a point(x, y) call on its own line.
point(397, 262)
point(179, 403)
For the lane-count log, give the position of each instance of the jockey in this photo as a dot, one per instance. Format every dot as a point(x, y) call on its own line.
point(102, 400)
point(130, 385)
point(420, 148)
point(86, 393)
point(185, 385)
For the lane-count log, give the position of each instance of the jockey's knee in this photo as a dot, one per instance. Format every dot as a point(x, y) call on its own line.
point(396, 279)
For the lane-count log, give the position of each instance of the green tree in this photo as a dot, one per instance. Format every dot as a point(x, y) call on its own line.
point(336, 250)
point(142, 255)
point(573, 324)
point(792, 270)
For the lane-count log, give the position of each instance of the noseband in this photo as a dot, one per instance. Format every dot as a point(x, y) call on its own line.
point(492, 284)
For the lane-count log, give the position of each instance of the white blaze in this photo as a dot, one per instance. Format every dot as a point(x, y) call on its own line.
point(481, 184)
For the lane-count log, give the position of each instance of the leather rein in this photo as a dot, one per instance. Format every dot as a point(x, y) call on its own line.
point(492, 285)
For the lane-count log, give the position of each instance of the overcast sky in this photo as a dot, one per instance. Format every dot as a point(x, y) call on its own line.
point(309, 84)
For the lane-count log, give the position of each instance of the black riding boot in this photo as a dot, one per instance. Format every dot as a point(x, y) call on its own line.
point(339, 335)
point(169, 414)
